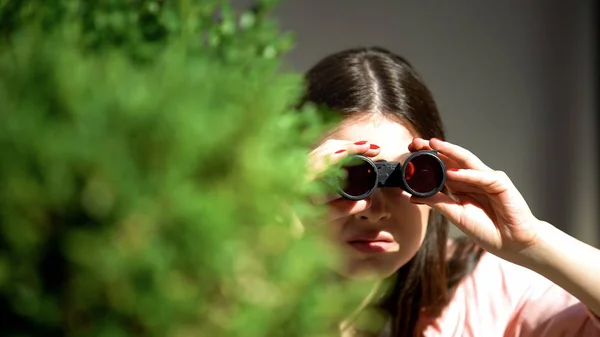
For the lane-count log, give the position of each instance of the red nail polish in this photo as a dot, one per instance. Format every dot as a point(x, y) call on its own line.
point(362, 142)
point(373, 147)
point(339, 151)
point(453, 169)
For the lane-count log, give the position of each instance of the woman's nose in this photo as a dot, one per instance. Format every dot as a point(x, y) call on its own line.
point(378, 211)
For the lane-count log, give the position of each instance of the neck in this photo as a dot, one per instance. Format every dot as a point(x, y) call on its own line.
point(370, 294)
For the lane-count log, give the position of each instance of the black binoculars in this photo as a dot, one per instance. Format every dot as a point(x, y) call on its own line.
point(423, 174)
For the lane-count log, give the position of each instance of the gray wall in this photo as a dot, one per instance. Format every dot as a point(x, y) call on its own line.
point(514, 81)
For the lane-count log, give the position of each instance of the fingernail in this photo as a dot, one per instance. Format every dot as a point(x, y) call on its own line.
point(339, 151)
point(373, 147)
point(453, 169)
point(362, 142)
point(439, 140)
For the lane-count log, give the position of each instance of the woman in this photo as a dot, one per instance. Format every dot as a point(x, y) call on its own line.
point(515, 275)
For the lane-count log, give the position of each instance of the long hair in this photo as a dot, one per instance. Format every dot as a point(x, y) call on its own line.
point(373, 80)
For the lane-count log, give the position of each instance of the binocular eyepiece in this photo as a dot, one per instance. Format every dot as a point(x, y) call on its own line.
point(423, 174)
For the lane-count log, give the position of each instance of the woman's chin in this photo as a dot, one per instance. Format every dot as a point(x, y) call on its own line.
point(364, 272)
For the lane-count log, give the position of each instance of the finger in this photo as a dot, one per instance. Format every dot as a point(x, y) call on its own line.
point(442, 203)
point(449, 163)
point(487, 181)
point(419, 144)
point(322, 199)
point(462, 156)
point(340, 208)
point(458, 187)
point(333, 151)
point(320, 162)
point(334, 147)
point(363, 147)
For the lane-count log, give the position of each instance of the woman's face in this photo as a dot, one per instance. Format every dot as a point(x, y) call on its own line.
point(398, 225)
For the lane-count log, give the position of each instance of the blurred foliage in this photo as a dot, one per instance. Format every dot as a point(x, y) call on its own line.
point(151, 169)
point(144, 27)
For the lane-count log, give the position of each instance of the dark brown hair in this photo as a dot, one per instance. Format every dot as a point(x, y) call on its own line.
point(362, 81)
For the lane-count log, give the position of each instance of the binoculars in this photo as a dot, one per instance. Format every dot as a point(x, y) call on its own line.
point(423, 174)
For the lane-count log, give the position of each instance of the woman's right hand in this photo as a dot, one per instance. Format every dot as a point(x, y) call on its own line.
point(329, 153)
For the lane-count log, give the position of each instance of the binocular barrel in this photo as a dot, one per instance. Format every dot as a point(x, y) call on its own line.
point(423, 174)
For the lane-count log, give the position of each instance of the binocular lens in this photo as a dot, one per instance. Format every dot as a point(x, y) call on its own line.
point(424, 174)
point(361, 178)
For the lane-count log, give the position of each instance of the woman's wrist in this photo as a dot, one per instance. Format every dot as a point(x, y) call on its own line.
point(539, 256)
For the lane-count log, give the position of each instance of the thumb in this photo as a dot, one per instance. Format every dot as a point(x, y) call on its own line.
point(443, 204)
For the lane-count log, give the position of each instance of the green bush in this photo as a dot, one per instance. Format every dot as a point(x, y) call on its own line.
point(150, 167)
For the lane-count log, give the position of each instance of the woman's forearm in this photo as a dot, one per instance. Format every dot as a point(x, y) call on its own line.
point(569, 263)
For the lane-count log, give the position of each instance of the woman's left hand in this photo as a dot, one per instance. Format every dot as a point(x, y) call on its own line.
point(484, 203)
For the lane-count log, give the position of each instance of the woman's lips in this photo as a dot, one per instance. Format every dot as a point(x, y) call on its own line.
point(378, 243)
point(371, 246)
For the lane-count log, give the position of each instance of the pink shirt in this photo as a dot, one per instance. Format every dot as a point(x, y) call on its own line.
point(503, 299)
